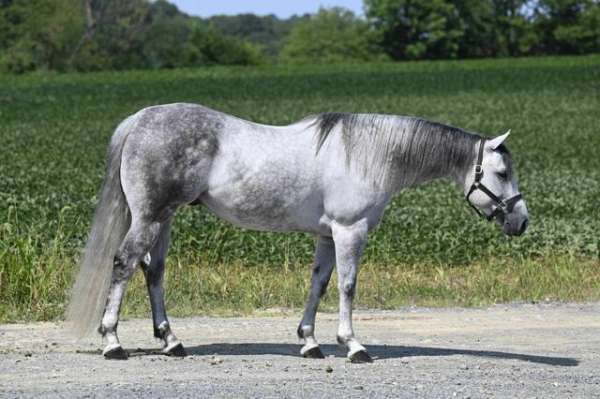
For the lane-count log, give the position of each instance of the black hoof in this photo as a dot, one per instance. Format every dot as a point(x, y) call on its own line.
point(361, 357)
point(314, 353)
point(177, 351)
point(116, 354)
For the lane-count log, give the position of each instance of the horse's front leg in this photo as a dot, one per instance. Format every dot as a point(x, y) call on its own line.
point(350, 241)
point(321, 273)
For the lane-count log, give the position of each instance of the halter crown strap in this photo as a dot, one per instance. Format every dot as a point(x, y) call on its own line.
point(479, 164)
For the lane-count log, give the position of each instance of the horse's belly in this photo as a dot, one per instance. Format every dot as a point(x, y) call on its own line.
point(262, 212)
point(264, 204)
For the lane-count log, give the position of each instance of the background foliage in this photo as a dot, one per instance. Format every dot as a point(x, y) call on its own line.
point(430, 248)
point(87, 35)
point(329, 36)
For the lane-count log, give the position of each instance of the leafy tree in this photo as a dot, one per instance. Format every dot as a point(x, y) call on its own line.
point(514, 30)
point(267, 31)
point(37, 34)
point(416, 28)
point(568, 26)
point(331, 35)
point(212, 48)
point(478, 20)
point(166, 37)
point(139, 34)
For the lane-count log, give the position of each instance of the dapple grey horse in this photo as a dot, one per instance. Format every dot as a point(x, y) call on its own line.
point(330, 175)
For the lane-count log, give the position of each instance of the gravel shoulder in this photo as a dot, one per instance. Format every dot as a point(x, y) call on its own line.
point(542, 350)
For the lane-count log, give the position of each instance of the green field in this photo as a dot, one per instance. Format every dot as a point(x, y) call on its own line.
point(430, 248)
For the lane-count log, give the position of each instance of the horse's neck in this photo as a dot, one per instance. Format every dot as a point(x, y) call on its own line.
point(450, 159)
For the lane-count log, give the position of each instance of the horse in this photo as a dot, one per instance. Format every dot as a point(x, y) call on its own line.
point(329, 174)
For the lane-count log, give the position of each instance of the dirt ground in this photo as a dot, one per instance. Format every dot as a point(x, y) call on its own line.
point(525, 351)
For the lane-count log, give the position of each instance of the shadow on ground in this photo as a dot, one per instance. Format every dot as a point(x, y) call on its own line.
point(377, 351)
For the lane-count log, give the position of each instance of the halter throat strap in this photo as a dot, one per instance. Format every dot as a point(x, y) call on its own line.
point(501, 206)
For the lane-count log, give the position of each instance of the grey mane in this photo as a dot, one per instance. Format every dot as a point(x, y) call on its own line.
point(418, 149)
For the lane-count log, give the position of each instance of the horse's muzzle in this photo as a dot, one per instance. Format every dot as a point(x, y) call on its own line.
point(511, 230)
point(516, 222)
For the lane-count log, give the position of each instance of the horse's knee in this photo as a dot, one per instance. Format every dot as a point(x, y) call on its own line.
point(348, 288)
point(320, 284)
point(322, 289)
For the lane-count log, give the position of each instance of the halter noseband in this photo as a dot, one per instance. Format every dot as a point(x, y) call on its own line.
point(502, 206)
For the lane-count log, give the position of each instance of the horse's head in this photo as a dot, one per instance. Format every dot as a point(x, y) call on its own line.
point(491, 187)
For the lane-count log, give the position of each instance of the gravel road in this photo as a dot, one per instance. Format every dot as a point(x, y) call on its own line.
point(508, 351)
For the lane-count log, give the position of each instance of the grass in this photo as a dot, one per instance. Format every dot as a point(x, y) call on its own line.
point(429, 250)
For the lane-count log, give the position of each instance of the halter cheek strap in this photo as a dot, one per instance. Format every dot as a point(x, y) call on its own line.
point(502, 206)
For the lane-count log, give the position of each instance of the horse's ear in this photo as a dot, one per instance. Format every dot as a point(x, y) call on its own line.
point(495, 142)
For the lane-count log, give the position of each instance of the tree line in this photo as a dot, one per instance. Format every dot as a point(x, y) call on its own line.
point(86, 35)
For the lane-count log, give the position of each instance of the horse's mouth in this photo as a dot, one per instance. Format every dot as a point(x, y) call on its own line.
point(515, 229)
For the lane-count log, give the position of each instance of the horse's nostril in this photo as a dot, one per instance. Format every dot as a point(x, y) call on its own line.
point(523, 226)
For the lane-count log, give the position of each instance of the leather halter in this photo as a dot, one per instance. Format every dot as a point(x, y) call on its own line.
point(502, 206)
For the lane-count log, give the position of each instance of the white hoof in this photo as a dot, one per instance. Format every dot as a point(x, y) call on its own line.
point(307, 347)
point(110, 348)
point(175, 348)
point(115, 352)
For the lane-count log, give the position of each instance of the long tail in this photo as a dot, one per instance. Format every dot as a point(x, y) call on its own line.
point(111, 222)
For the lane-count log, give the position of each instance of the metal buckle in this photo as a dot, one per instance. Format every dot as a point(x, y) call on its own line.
point(478, 170)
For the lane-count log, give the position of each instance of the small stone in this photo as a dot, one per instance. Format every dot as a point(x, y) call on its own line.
point(329, 369)
point(28, 354)
point(215, 360)
point(359, 387)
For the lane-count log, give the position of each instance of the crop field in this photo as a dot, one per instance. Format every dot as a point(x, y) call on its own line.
point(429, 250)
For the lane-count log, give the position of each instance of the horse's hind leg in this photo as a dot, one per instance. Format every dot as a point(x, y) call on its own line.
point(154, 273)
point(137, 243)
point(321, 273)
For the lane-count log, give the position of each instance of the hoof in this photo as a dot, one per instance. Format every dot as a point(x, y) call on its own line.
point(314, 353)
point(117, 353)
point(177, 351)
point(361, 357)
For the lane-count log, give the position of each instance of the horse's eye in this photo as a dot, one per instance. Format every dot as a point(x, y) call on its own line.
point(503, 175)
